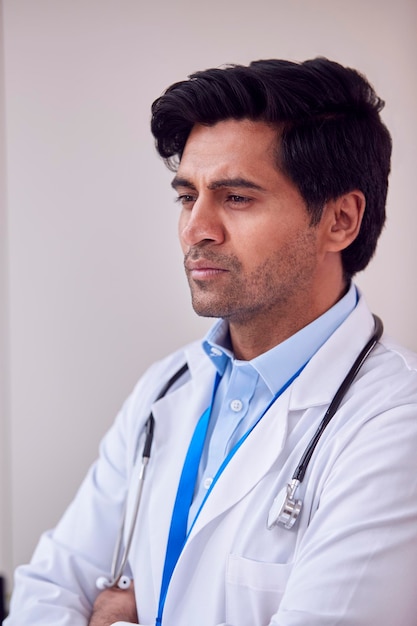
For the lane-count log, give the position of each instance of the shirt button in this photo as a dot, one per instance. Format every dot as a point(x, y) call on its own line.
point(207, 483)
point(236, 405)
point(215, 352)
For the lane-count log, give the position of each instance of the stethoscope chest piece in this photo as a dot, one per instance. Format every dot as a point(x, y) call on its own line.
point(285, 508)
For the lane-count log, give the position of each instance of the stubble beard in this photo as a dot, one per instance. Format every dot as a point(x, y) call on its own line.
point(274, 288)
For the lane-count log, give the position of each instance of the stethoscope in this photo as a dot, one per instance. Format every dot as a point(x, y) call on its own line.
point(285, 508)
point(117, 578)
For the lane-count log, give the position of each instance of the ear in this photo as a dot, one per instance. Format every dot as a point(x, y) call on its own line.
point(342, 219)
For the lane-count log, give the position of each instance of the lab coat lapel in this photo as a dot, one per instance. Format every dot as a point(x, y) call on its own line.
point(176, 416)
point(250, 463)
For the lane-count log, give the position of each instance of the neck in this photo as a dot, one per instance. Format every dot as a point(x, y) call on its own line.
point(252, 337)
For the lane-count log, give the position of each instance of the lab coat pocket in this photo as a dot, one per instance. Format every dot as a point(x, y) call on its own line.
point(253, 590)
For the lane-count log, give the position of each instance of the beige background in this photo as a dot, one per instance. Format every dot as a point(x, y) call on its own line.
point(91, 281)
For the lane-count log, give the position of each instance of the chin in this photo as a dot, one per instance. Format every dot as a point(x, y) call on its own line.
point(208, 309)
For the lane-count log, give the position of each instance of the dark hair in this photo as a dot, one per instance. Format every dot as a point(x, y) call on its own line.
point(332, 139)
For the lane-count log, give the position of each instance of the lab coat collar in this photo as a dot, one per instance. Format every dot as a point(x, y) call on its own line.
point(325, 372)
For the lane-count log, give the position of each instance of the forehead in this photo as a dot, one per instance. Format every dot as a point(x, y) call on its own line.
point(230, 147)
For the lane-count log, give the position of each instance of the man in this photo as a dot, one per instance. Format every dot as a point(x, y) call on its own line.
point(281, 174)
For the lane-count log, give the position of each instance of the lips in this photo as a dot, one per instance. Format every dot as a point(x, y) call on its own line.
point(201, 264)
point(203, 268)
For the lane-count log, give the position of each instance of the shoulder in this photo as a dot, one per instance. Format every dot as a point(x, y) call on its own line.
point(160, 372)
point(390, 369)
point(391, 372)
point(406, 359)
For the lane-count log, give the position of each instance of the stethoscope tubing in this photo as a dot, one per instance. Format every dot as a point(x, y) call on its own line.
point(120, 558)
point(337, 399)
point(117, 571)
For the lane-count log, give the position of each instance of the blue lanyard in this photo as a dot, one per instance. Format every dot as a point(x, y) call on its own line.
point(179, 520)
point(178, 529)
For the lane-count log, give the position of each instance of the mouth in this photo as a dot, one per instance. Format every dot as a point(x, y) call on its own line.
point(203, 269)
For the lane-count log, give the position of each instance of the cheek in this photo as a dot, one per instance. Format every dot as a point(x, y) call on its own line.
point(278, 247)
point(254, 246)
point(182, 222)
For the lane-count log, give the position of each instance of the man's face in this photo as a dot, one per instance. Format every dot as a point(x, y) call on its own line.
point(250, 252)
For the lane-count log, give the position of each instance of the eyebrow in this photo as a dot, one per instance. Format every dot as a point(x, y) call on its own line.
point(218, 184)
point(181, 182)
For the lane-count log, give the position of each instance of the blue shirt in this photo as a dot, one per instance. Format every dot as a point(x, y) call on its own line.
point(247, 387)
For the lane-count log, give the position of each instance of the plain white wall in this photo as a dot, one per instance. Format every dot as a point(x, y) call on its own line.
point(96, 287)
point(5, 517)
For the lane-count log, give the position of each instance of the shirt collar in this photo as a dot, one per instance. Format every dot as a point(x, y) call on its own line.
point(277, 365)
point(216, 344)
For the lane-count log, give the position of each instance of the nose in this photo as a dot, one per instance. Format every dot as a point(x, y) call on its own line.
point(201, 223)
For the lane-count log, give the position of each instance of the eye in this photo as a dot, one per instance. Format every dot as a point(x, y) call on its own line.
point(185, 198)
point(236, 199)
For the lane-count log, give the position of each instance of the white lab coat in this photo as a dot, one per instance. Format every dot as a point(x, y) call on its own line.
point(351, 559)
